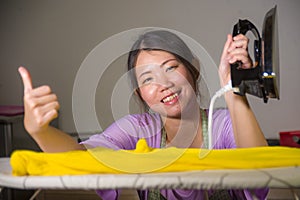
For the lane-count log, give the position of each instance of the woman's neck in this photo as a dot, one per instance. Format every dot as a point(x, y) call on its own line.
point(184, 133)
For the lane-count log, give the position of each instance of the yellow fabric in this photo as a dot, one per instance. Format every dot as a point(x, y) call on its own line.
point(150, 160)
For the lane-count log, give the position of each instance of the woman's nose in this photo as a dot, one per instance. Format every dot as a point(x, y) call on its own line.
point(164, 82)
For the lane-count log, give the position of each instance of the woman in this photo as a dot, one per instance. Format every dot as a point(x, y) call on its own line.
point(165, 80)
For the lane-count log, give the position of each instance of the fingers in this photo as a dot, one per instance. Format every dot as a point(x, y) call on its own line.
point(235, 49)
point(238, 51)
point(41, 91)
point(26, 78)
point(46, 113)
point(239, 41)
point(34, 102)
point(41, 101)
point(39, 111)
point(238, 55)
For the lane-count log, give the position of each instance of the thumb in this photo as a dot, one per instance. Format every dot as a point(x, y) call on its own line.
point(227, 45)
point(26, 78)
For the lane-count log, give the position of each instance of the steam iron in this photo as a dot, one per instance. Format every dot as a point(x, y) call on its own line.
point(263, 79)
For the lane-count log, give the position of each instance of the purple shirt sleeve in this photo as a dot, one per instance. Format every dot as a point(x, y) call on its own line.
point(125, 132)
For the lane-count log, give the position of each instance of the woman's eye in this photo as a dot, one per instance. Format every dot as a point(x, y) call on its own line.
point(171, 68)
point(147, 80)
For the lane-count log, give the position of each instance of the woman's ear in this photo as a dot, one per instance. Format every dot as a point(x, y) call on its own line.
point(137, 92)
point(143, 106)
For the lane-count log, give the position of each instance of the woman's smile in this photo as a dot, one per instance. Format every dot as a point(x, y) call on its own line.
point(170, 99)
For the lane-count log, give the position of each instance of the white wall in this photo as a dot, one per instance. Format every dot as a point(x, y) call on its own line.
point(52, 38)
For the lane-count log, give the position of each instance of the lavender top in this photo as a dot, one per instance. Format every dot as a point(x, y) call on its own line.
point(124, 134)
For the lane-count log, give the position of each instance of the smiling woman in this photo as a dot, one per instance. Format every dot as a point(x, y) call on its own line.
point(164, 76)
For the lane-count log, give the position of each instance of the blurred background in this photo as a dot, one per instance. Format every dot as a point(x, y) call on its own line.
point(52, 39)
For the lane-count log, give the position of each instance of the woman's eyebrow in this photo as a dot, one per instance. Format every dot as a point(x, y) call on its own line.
point(144, 73)
point(165, 62)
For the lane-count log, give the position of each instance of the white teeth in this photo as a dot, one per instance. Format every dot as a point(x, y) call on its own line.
point(170, 98)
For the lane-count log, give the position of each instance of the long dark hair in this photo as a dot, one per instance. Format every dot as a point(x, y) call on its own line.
point(162, 40)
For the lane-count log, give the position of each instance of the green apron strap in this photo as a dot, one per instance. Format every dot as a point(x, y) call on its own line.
point(204, 128)
point(154, 194)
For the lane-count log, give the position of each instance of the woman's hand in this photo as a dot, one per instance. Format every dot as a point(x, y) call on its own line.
point(40, 105)
point(235, 49)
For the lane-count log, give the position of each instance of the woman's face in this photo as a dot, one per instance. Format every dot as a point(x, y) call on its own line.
point(164, 83)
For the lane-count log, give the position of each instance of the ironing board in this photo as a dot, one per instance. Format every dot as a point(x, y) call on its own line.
point(286, 177)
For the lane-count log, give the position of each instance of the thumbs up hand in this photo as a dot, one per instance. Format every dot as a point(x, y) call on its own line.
point(40, 105)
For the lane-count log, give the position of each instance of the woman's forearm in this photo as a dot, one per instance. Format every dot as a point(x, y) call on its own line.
point(247, 131)
point(55, 140)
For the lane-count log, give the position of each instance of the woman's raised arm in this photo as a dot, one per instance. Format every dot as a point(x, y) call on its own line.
point(246, 128)
point(41, 107)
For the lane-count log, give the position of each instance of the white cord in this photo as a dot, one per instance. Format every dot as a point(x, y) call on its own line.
point(295, 195)
point(218, 94)
point(35, 194)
